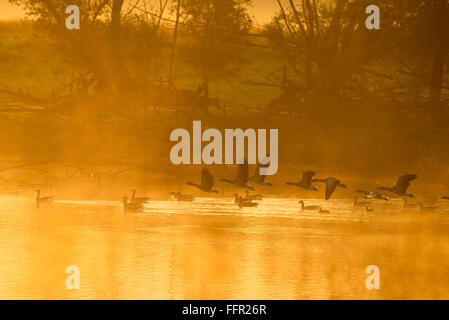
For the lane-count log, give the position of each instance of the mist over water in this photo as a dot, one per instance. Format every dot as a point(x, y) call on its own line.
point(208, 249)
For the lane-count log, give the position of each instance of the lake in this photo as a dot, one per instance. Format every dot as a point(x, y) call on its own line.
point(209, 249)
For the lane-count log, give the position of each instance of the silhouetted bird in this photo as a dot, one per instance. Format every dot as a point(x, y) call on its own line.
point(331, 184)
point(178, 196)
point(308, 208)
point(241, 202)
point(207, 182)
point(312, 208)
point(400, 188)
point(373, 195)
point(135, 199)
point(305, 182)
point(40, 200)
point(445, 198)
point(258, 178)
point(241, 180)
point(131, 206)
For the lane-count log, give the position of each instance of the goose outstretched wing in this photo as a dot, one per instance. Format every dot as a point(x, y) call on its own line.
point(307, 178)
point(403, 182)
point(243, 172)
point(206, 178)
point(331, 184)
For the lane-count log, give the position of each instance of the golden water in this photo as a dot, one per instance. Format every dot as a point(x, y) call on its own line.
point(209, 250)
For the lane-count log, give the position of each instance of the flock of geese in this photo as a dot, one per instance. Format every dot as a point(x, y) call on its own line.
point(242, 179)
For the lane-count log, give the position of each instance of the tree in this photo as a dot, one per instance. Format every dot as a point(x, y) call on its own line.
point(215, 27)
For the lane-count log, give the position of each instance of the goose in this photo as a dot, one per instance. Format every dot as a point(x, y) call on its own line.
point(253, 196)
point(138, 199)
point(408, 205)
point(131, 206)
point(368, 209)
point(247, 204)
point(422, 208)
point(305, 182)
point(178, 196)
point(207, 182)
point(260, 179)
point(40, 199)
point(445, 198)
point(308, 208)
point(236, 198)
point(241, 180)
point(400, 188)
point(331, 184)
point(241, 202)
point(360, 203)
point(373, 195)
point(312, 208)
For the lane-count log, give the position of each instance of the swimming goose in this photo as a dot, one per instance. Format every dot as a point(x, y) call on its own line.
point(400, 188)
point(305, 182)
point(207, 182)
point(312, 208)
point(260, 179)
point(367, 209)
point(445, 198)
point(241, 180)
point(331, 184)
point(131, 206)
point(360, 203)
point(135, 199)
point(373, 195)
point(253, 196)
point(308, 208)
point(247, 204)
point(241, 202)
point(40, 200)
point(178, 196)
point(426, 209)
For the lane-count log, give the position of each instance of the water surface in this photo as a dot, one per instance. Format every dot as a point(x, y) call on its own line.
point(208, 249)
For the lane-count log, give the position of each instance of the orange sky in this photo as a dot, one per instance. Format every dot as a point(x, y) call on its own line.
point(262, 10)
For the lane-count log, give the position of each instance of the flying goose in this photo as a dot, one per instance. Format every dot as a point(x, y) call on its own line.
point(260, 179)
point(131, 206)
point(360, 203)
point(373, 195)
point(178, 196)
point(331, 184)
point(40, 200)
point(207, 182)
point(135, 199)
point(253, 196)
point(241, 180)
point(305, 182)
point(400, 188)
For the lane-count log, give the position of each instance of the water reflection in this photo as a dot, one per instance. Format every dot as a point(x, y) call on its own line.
point(209, 250)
